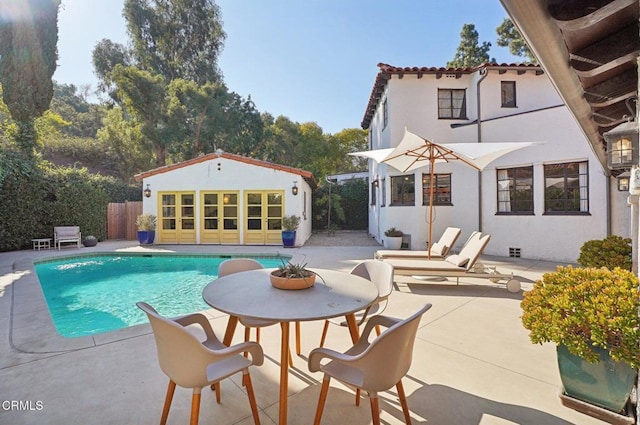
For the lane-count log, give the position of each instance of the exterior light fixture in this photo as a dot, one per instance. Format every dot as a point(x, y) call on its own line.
point(623, 181)
point(294, 189)
point(147, 192)
point(622, 142)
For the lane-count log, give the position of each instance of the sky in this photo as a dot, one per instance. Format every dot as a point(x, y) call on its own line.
point(309, 60)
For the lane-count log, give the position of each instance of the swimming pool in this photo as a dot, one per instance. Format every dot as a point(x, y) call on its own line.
point(87, 295)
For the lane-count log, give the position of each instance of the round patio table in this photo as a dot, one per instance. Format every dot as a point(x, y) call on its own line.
point(250, 294)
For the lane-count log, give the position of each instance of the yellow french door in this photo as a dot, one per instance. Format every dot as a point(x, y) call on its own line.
point(219, 222)
point(263, 217)
point(177, 217)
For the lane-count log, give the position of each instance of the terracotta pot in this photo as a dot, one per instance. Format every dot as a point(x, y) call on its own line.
point(292, 282)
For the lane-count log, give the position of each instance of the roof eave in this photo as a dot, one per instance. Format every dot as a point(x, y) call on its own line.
point(547, 43)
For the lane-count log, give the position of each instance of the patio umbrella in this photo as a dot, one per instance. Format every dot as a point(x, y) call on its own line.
point(414, 152)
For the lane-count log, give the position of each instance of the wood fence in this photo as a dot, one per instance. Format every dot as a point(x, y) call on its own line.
point(121, 220)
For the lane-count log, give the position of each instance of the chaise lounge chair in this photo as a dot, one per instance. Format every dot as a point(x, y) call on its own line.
point(439, 249)
point(460, 265)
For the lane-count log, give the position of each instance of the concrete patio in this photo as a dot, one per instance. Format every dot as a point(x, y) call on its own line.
point(473, 362)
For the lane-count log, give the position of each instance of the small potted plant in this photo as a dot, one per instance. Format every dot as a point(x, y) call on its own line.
point(290, 224)
point(90, 241)
point(591, 314)
point(146, 224)
point(292, 276)
point(393, 238)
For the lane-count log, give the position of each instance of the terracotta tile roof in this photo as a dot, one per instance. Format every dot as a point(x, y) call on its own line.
point(306, 175)
point(386, 71)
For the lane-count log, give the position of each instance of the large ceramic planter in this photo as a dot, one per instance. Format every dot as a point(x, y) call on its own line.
point(393, 242)
point(289, 238)
point(606, 384)
point(90, 242)
point(146, 237)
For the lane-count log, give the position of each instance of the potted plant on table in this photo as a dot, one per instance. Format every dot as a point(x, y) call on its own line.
point(292, 276)
point(591, 314)
point(146, 224)
point(393, 238)
point(290, 224)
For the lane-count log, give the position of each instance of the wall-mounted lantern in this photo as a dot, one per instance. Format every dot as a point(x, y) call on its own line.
point(622, 146)
point(147, 192)
point(623, 181)
point(294, 189)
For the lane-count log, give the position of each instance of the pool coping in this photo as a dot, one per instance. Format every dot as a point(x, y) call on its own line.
point(31, 329)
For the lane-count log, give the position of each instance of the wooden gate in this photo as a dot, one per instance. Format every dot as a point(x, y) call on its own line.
point(121, 220)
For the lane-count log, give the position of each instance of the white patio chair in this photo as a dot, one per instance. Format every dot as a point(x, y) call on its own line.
point(195, 364)
point(371, 366)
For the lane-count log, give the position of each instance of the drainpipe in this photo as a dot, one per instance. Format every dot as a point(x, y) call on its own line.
point(608, 196)
point(483, 73)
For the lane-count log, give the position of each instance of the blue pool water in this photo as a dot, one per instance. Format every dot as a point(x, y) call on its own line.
point(93, 294)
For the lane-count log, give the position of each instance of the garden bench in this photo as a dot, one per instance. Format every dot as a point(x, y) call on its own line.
point(66, 234)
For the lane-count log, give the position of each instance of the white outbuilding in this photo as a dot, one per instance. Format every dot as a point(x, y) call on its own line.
point(223, 198)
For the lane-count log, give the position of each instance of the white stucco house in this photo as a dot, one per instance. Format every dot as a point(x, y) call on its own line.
point(223, 198)
point(541, 202)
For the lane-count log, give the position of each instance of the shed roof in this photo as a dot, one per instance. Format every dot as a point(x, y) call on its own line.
point(306, 175)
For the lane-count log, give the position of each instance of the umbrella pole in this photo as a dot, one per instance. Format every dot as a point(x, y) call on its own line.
point(431, 174)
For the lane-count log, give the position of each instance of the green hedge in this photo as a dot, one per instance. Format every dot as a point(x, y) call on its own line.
point(37, 196)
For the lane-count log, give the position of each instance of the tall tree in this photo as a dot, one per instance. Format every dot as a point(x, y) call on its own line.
point(28, 54)
point(176, 38)
point(144, 97)
point(470, 53)
point(509, 36)
point(106, 55)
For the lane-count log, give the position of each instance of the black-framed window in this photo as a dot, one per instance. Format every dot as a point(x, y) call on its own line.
point(452, 104)
point(385, 114)
point(441, 189)
point(403, 190)
point(566, 188)
point(374, 190)
point(508, 94)
point(515, 190)
point(383, 194)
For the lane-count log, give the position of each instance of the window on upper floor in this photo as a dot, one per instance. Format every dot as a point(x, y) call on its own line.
point(515, 190)
point(441, 189)
point(403, 190)
point(508, 94)
point(385, 114)
point(566, 188)
point(452, 104)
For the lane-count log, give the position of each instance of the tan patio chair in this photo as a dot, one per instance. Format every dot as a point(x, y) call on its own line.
point(381, 274)
point(191, 363)
point(371, 366)
point(236, 265)
point(439, 249)
point(463, 264)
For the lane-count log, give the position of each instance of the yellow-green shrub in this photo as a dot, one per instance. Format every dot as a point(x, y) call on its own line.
point(583, 308)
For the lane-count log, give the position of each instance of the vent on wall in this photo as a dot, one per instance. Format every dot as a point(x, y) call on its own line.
point(514, 252)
